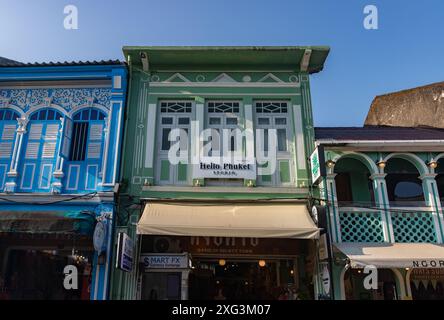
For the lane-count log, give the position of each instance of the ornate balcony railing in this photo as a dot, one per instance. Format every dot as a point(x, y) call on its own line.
point(366, 225)
point(361, 225)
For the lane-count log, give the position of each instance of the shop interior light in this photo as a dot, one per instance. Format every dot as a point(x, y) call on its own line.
point(262, 263)
point(222, 262)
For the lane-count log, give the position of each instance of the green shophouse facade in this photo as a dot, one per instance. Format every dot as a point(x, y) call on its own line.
point(216, 88)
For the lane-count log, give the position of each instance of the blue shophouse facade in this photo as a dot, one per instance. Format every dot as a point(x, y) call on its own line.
point(61, 128)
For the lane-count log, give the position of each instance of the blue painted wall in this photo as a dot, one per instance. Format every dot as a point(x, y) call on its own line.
point(44, 110)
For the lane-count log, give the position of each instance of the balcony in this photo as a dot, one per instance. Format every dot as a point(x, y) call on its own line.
point(410, 225)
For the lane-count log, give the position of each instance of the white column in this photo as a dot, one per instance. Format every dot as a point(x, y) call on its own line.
point(382, 201)
point(333, 207)
point(13, 174)
point(431, 196)
point(196, 131)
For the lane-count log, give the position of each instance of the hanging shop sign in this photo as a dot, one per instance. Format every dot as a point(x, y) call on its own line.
point(225, 168)
point(165, 261)
point(125, 252)
point(326, 281)
point(223, 246)
point(317, 165)
point(323, 247)
point(99, 237)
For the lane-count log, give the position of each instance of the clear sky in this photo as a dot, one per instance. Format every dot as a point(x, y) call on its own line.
point(406, 51)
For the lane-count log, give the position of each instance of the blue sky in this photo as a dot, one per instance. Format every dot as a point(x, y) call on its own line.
point(406, 51)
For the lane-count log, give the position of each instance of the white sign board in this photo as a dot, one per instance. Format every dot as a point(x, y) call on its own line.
point(165, 261)
point(317, 164)
point(125, 252)
point(225, 168)
point(326, 280)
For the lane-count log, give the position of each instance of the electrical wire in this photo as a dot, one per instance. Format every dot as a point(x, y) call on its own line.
point(81, 196)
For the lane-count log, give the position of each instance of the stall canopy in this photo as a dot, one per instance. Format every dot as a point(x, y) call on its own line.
point(78, 222)
point(228, 220)
point(393, 255)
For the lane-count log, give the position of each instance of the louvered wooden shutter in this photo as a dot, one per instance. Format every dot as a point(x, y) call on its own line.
point(66, 138)
point(7, 140)
point(95, 141)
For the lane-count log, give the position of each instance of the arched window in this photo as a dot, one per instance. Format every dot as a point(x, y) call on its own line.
point(403, 184)
point(353, 185)
point(86, 151)
point(87, 134)
point(40, 150)
point(46, 115)
point(8, 127)
point(440, 178)
point(8, 115)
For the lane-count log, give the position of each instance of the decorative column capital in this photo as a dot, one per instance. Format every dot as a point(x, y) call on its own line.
point(378, 176)
point(427, 176)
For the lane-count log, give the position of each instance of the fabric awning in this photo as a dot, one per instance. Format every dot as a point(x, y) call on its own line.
point(79, 222)
point(393, 255)
point(228, 220)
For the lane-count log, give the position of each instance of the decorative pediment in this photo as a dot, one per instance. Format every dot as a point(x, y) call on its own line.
point(223, 77)
point(177, 77)
point(269, 77)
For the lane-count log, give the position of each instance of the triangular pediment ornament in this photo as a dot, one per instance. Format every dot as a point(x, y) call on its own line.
point(269, 77)
point(223, 77)
point(177, 77)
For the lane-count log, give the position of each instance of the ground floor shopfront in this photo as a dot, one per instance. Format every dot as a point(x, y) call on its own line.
point(38, 243)
point(405, 271)
point(218, 268)
point(220, 251)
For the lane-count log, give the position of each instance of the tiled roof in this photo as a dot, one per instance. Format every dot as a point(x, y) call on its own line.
point(375, 133)
point(10, 63)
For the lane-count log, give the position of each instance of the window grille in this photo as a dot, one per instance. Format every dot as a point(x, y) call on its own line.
point(79, 141)
point(271, 107)
point(8, 115)
point(223, 107)
point(175, 107)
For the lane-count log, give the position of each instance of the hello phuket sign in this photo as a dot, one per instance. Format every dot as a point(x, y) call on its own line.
point(225, 168)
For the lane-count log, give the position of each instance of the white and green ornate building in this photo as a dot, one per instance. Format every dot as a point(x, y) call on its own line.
point(384, 188)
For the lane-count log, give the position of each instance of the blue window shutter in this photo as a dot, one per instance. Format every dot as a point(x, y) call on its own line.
point(66, 137)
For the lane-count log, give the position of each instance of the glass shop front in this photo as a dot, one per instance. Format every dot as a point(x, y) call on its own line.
point(218, 268)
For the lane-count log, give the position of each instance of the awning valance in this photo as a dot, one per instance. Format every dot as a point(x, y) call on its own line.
point(393, 255)
point(79, 222)
point(228, 220)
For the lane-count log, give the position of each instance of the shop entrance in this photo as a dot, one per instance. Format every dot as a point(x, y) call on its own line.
point(235, 279)
point(161, 286)
point(354, 286)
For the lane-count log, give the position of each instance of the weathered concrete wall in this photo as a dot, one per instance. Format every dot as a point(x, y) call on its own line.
point(423, 106)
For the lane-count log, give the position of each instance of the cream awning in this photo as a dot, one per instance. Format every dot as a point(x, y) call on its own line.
point(228, 220)
point(394, 255)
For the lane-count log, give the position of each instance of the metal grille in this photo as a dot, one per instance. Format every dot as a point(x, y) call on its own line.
point(79, 141)
point(223, 107)
point(175, 107)
point(413, 227)
point(361, 227)
point(271, 107)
